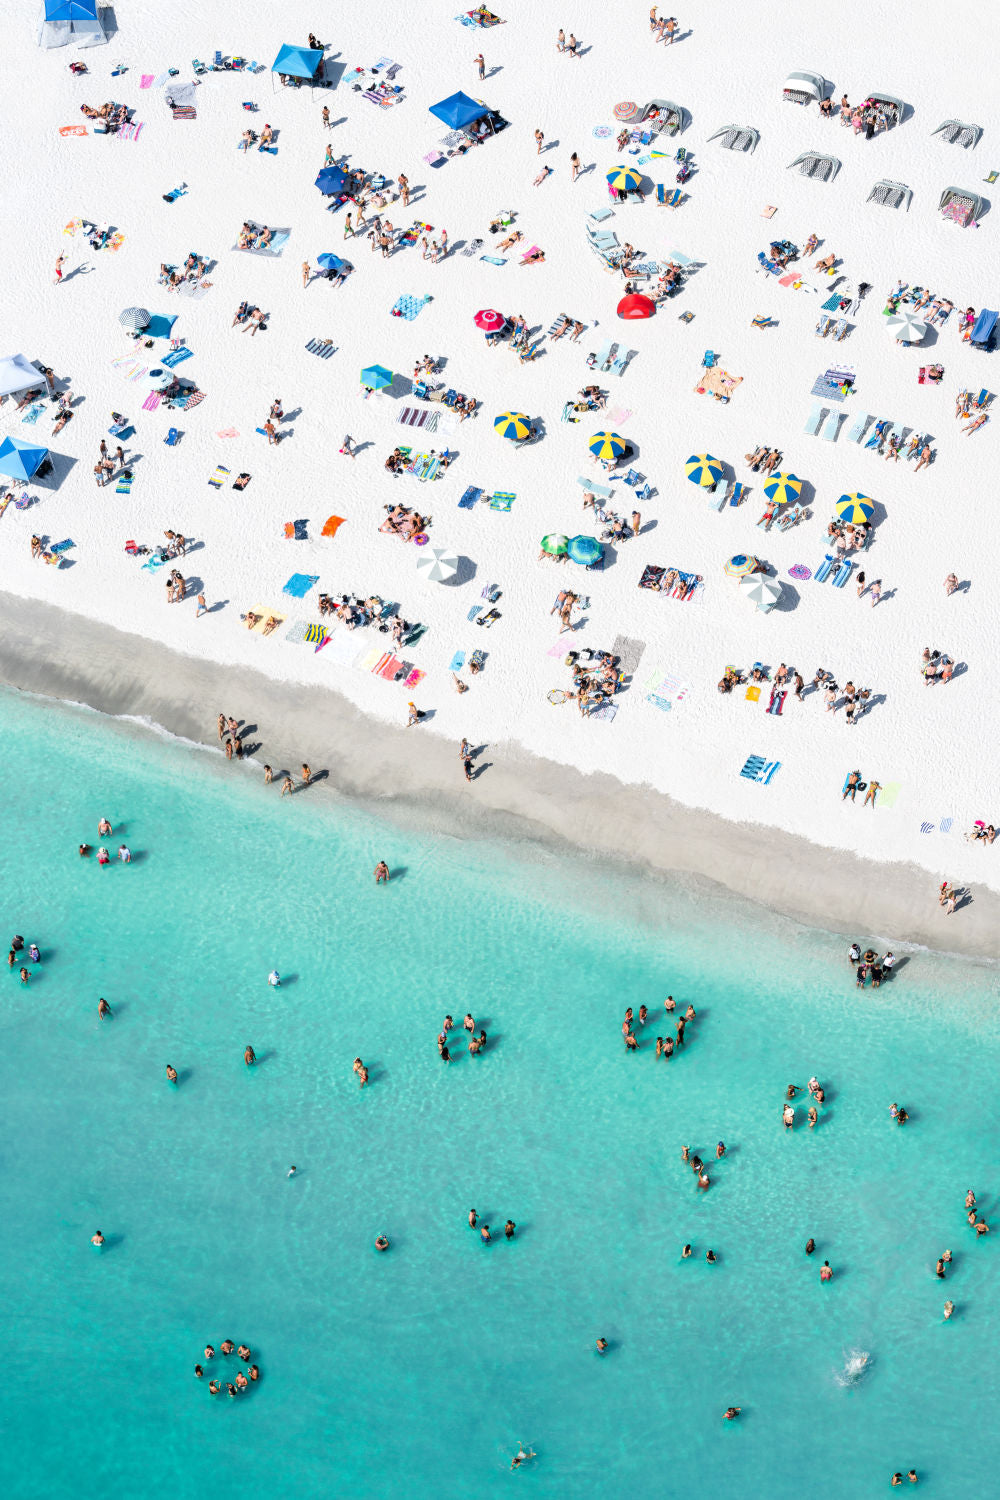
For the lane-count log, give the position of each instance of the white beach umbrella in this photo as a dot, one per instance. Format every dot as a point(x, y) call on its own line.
point(765, 592)
point(134, 317)
point(437, 564)
point(906, 325)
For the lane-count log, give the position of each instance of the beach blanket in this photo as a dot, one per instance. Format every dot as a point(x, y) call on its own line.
point(33, 413)
point(227, 432)
point(146, 80)
point(264, 614)
point(629, 653)
point(72, 130)
point(888, 794)
point(296, 632)
point(605, 711)
point(129, 131)
point(194, 289)
point(194, 400)
point(185, 112)
point(124, 485)
point(502, 500)
point(618, 415)
point(758, 768)
point(457, 662)
point(322, 347)
point(418, 416)
point(332, 525)
point(176, 356)
point(665, 690)
point(414, 677)
point(219, 476)
point(296, 531)
point(299, 584)
point(315, 634)
point(408, 307)
point(152, 401)
point(470, 497)
point(493, 260)
point(62, 547)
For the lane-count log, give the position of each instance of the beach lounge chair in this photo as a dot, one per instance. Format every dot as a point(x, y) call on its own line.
point(822, 573)
point(823, 327)
point(620, 360)
point(898, 431)
point(603, 357)
point(843, 573)
point(675, 198)
point(661, 197)
point(791, 517)
point(831, 425)
point(840, 331)
point(858, 429)
point(878, 435)
point(739, 493)
point(171, 437)
point(814, 420)
point(717, 498)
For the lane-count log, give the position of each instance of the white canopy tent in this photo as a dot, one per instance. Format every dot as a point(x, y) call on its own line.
point(18, 374)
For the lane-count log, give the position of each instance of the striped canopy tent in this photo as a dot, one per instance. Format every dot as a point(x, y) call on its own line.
point(607, 445)
point(513, 425)
point(702, 468)
point(624, 179)
point(858, 509)
point(783, 487)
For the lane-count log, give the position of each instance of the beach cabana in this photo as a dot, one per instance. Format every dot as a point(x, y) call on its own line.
point(20, 460)
point(459, 111)
point(983, 330)
point(297, 65)
point(737, 137)
point(19, 374)
point(662, 116)
point(804, 88)
point(890, 194)
point(890, 106)
point(64, 22)
point(957, 133)
point(959, 205)
point(816, 164)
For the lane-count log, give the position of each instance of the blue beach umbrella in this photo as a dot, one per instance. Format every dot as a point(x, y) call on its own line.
point(377, 376)
point(329, 261)
point(606, 445)
point(513, 425)
point(783, 487)
point(331, 180)
point(584, 550)
point(20, 460)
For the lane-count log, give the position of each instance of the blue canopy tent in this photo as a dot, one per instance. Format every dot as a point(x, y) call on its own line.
point(63, 21)
point(299, 64)
point(983, 331)
point(20, 460)
point(458, 110)
point(330, 181)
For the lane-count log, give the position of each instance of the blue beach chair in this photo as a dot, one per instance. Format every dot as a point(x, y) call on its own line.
point(813, 422)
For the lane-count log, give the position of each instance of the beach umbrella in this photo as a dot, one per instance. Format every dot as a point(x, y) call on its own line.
point(764, 592)
point(855, 508)
point(739, 565)
point(584, 550)
point(331, 180)
point(783, 487)
point(488, 318)
point(906, 325)
point(607, 445)
point(437, 564)
point(624, 178)
point(555, 543)
point(513, 425)
point(329, 261)
point(702, 468)
point(376, 376)
point(134, 317)
point(20, 460)
point(626, 110)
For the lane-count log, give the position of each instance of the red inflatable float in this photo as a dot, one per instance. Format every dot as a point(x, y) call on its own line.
point(636, 306)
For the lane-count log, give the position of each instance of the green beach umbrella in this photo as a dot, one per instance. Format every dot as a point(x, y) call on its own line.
point(554, 544)
point(607, 445)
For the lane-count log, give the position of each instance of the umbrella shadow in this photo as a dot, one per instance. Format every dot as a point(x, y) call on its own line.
point(789, 600)
point(466, 573)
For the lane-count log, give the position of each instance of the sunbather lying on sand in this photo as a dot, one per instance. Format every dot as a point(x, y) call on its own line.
point(252, 620)
point(511, 239)
point(826, 264)
point(272, 624)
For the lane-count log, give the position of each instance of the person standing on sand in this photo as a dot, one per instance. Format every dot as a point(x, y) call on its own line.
point(326, 117)
point(574, 162)
point(60, 262)
point(268, 775)
point(306, 774)
point(539, 139)
point(202, 607)
point(561, 41)
point(287, 787)
point(481, 65)
point(306, 273)
point(222, 725)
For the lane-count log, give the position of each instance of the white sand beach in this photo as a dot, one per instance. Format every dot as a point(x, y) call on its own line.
point(929, 747)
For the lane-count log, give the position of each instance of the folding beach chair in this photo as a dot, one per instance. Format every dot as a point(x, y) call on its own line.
point(674, 198)
point(620, 360)
point(740, 492)
point(814, 420)
point(830, 426)
point(858, 429)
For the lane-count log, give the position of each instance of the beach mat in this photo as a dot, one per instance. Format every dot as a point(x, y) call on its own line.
point(299, 584)
point(629, 652)
point(265, 615)
point(408, 307)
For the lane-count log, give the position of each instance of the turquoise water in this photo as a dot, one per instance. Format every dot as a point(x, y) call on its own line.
point(417, 1372)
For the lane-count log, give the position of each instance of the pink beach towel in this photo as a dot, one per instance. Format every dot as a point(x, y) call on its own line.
point(415, 676)
point(152, 401)
point(146, 80)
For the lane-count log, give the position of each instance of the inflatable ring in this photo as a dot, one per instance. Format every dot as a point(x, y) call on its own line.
point(421, 539)
point(556, 695)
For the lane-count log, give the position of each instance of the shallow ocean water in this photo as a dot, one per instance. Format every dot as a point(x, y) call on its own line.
point(418, 1371)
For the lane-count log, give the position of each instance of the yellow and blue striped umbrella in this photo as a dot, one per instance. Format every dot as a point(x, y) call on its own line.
point(783, 487)
point(512, 424)
point(855, 508)
point(702, 468)
point(607, 445)
point(624, 177)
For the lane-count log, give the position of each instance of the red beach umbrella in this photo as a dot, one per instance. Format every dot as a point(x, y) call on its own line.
point(488, 318)
point(636, 306)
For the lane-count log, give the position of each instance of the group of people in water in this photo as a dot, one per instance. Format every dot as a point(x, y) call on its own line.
point(476, 1043)
point(242, 1382)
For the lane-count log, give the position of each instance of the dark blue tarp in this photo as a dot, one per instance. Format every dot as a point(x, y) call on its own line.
point(71, 10)
point(331, 180)
point(297, 62)
point(985, 324)
point(458, 110)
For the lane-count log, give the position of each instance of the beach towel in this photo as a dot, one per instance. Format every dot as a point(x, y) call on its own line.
point(152, 401)
point(129, 131)
point(219, 477)
point(33, 413)
point(753, 693)
point(62, 546)
point(321, 347)
point(299, 584)
point(435, 158)
point(296, 531)
point(618, 415)
point(315, 634)
point(888, 794)
point(768, 211)
point(193, 289)
point(194, 400)
point(227, 432)
point(408, 307)
point(418, 416)
point(296, 632)
point(177, 356)
point(124, 485)
point(502, 500)
point(331, 525)
point(605, 711)
point(146, 80)
point(184, 112)
point(493, 260)
point(470, 497)
point(457, 662)
point(777, 702)
point(72, 130)
point(414, 677)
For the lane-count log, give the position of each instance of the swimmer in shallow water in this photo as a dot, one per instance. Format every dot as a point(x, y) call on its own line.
point(97, 1238)
point(810, 1246)
point(602, 1346)
point(521, 1456)
point(171, 1074)
point(382, 1243)
point(104, 1010)
point(104, 828)
point(686, 1253)
point(949, 1308)
point(710, 1256)
point(84, 849)
point(731, 1413)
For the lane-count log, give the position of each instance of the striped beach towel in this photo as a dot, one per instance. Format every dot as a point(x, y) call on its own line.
point(124, 485)
point(194, 399)
point(136, 374)
point(502, 500)
point(418, 416)
point(152, 401)
point(315, 634)
point(219, 477)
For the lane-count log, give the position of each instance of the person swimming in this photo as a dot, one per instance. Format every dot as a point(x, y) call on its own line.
point(710, 1256)
point(97, 1238)
point(103, 1010)
point(602, 1346)
point(104, 828)
point(103, 857)
point(382, 1243)
point(84, 849)
point(810, 1246)
point(171, 1074)
point(731, 1413)
point(521, 1456)
point(686, 1253)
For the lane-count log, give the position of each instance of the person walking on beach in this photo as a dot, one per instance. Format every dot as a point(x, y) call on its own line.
point(286, 787)
point(539, 138)
point(574, 162)
point(561, 41)
point(481, 65)
point(326, 117)
point(875, 591)
point(202, 607)
point(60, 262)
point(571, 45)
point(404, 189)
point(305, 274)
